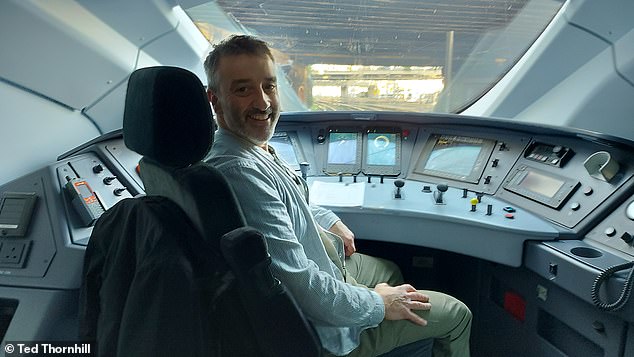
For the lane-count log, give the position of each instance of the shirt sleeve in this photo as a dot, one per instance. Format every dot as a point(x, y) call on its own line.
point(322, 297)
point(324, 217)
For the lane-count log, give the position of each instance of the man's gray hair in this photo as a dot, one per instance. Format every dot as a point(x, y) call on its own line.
point(233, 46)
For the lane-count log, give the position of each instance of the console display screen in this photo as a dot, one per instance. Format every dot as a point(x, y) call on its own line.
point(345, 146)
point(455, 157)
point(284, 149)
point(546, 188)
point(288, 148)
point(342, 148)
point(381, 149)
point(541, 184)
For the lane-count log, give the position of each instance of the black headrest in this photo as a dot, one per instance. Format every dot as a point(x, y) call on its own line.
point(167, 116)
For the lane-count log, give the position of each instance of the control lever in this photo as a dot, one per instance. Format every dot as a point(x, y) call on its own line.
point(441, 189)
point(398, 184)
point(303, 167)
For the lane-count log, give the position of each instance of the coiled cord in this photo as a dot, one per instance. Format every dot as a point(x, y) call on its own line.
point(625, 292)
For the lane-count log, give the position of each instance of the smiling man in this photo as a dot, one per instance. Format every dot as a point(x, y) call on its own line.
point(358, 305)
point(249, 104)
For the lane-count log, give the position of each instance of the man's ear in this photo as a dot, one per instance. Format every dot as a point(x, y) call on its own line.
point(213, 99)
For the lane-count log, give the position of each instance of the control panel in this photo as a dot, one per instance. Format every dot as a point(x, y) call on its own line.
point(558, 183)
point(553, 176)
point(550, 154)
point(46, 217)
point(90, 188)
point(432, 215)
point(450, 183)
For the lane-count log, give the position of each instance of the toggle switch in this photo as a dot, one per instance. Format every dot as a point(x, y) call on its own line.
point(119, 191)
point(108, 180)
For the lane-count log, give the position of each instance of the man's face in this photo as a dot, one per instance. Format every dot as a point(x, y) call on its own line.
point(246, 101)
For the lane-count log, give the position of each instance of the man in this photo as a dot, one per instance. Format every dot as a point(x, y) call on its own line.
point(350, 318)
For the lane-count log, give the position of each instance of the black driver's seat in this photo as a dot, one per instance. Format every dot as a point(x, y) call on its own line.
point(176, 272)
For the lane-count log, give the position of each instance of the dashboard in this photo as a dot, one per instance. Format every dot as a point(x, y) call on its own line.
point(509, 193)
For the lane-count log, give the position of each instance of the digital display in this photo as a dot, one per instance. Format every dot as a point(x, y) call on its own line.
point(83, 190)
point(342, 148)
point(284, 149)
point(381, 149)
point(455, 157)
point(545, 188)
point(541, 184)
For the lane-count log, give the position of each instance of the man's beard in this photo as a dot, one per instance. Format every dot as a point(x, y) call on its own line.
point(255, 134)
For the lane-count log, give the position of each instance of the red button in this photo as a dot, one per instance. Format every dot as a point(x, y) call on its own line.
point(509, 215)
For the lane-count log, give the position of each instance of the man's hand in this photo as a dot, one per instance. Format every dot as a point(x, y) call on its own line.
point(401, 300)
point(346, 234)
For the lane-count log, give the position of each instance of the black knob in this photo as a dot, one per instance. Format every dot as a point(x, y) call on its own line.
point(398, 184)
point(442, 188)
point(97, 168)
point(495, 163)
point(321, 137)
point(108, 180)
point(119, 191)
point(627, 237)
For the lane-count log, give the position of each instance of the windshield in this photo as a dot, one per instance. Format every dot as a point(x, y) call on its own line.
point(393, 55)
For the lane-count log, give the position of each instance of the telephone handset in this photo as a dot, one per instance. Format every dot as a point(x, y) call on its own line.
point(625, 292)
point(84, 200)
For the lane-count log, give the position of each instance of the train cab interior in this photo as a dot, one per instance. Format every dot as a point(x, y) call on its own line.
point(485, 146)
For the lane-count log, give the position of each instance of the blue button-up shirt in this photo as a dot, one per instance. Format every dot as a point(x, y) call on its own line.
point(274, 204)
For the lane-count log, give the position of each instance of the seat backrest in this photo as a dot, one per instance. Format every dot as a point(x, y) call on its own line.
point(168, 120)
point(226, 266)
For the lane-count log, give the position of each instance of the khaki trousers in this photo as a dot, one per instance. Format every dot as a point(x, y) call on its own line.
point(448, 321)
